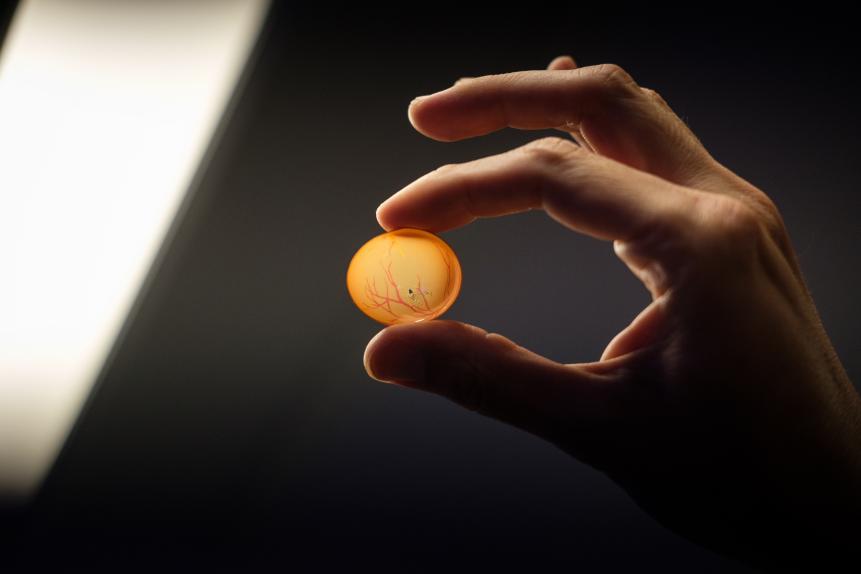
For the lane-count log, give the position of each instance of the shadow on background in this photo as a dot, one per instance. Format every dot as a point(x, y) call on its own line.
point(237, 428)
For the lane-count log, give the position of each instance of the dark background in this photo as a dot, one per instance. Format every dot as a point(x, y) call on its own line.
point(235, 426)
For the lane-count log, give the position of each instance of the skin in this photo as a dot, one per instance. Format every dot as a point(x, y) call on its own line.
point(722, 409)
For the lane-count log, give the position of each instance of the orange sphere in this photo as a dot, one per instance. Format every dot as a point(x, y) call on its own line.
point(404, 276)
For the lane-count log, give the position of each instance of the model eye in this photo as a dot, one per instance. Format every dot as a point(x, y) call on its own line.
point(382, 268)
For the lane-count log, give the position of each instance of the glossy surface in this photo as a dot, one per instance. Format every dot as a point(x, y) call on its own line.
point(404, 276)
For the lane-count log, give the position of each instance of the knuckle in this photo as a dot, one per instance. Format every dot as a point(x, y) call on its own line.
point(751, 207)
point(741, 225)
point(447, 168)
point(552, 151)
point(732, 229)
point(652, 94)
point(772, 219)
point(614, 77)
point(510, 80)
point(500, 341)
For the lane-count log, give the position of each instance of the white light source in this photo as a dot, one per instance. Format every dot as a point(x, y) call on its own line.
point(106, 112)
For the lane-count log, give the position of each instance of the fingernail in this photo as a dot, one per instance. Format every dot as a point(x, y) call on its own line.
point(417, 100)
point(393, 364)
point(464, 79)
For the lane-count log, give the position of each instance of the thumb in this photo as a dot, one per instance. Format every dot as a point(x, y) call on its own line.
point(490, 374)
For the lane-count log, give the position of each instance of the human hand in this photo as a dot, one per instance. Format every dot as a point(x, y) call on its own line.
point(722, 409)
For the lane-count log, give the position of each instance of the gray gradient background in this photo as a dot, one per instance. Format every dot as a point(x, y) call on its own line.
point(236, 425)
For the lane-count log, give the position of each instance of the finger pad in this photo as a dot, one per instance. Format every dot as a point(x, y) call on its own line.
point(448, 115)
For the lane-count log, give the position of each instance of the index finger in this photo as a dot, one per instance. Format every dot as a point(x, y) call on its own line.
point(588, 193)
